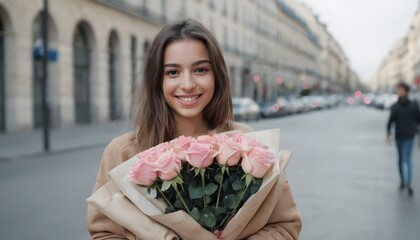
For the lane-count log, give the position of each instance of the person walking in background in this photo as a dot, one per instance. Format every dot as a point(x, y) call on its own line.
point(405, 115)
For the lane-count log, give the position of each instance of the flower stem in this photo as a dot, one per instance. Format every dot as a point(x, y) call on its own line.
point(164, 197)
point(182, 200)
point(220, 187)
point(203, 184)
point(248, 181)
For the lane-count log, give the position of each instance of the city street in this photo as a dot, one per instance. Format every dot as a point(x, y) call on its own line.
point(343, 175)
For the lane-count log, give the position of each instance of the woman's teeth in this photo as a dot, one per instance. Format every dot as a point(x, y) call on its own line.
point(188, 99)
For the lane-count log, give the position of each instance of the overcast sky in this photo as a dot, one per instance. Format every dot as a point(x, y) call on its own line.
point(365, 29)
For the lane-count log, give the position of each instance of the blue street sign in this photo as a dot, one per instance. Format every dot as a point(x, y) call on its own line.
point(38, 53)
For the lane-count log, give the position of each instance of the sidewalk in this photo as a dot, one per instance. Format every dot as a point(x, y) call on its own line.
point(24, 144)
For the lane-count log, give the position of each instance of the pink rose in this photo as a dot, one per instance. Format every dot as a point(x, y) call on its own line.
point(143, 171)
point(201, 152)
point(167, 165)
point(180, 145)
point(230, 149)
point(257, 162)
point(248, 143)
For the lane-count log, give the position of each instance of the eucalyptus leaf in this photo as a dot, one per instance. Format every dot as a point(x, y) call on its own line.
point(230, 201)
point(237, 184)
point(208, 218)
point(220, 210)
point(254, 188)
point(195, 192)
point(178, 204)
point(225, 186)
point(169, 210)
point(210, 188)
point(195, 214)
point(218, 177)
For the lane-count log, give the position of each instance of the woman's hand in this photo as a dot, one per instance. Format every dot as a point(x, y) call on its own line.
point(218, 233)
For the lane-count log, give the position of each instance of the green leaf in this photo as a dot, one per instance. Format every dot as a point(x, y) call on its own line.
point(208, 218)
point(195, 214)
point(254, 188)
point(258, 181)
point(218, 177)
point(220, 210)
point(166, 185)
point(210, 188)
point(169, 210)
point(237, 184)
point(195, 192)
point(230, 201)
point(178, 204)
point(225, 186)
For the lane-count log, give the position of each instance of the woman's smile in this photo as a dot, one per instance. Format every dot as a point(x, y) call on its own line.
point(189, 100)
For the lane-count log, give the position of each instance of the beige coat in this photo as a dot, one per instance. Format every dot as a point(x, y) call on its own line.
point(279, 209)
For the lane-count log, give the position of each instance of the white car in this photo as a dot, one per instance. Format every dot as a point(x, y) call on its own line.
point(245, 109)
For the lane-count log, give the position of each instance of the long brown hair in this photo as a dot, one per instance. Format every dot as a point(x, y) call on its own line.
point(152, 117)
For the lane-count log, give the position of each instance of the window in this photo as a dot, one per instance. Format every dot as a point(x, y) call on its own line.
point(81, 65)
point(133, 58)
point(112, 74)
point(2, 81)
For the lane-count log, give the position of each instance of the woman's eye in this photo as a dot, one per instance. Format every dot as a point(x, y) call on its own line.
point(201, 70)
point(172, 72)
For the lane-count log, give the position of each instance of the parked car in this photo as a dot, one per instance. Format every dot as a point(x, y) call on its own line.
point(385, 101)
point(318, 102)
point(333, 100)
point(245, 109)
point(296, 105)
point(271, 109)
point(283, 104)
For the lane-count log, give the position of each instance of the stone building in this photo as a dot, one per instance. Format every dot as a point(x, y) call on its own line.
point(402, 62)
point(272, 47)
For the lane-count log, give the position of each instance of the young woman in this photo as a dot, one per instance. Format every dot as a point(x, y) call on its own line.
point(185, 91)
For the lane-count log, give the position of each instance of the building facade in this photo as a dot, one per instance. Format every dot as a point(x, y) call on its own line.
point(272, 48)
point(402, 63)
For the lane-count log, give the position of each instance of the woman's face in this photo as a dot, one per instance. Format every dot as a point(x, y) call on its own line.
point(188, 78)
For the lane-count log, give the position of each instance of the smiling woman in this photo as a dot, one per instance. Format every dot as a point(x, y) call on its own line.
point(185, 91)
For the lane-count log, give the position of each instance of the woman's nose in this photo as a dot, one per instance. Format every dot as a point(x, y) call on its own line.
point(188, 83)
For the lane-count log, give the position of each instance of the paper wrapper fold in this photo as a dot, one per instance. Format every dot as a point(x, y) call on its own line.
point(130, 206)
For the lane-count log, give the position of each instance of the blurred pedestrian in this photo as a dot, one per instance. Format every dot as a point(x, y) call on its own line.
point(405, 115)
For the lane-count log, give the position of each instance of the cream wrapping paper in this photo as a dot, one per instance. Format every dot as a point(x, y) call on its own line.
point(130, 206)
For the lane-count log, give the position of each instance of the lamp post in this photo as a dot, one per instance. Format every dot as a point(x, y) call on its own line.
point(45, 105)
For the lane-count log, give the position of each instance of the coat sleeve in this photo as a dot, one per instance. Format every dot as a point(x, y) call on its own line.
point(100, 226)
point(391, 119)
point(284, 222)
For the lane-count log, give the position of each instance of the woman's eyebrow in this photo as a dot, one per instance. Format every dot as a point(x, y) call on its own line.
point(194, 64)
point(201, 62)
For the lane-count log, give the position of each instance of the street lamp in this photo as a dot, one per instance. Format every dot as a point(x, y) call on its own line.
point(45, 107)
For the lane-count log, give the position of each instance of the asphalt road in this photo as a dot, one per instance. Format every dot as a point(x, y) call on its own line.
point(342, 173)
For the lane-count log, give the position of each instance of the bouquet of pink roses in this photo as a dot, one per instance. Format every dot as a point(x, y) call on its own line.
point(209, 177)
point(190, 187)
